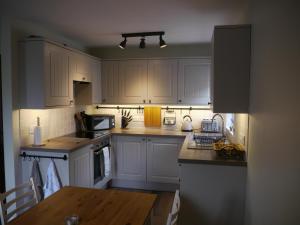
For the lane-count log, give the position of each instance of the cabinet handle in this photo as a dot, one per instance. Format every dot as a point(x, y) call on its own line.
point(144, 139)
point(83, 78)
point(179, 100)
point(209, 103)
point(71, 102)
point(149, 100)
point(144, 101)
point(149, 139)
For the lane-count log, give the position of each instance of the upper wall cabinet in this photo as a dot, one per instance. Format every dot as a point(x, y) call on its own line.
point(133, 81)
point(47, 73)
point(231, 69)
point(81, 67)
point(96, 81)
point(45, 78)
point(156, 81)
point(193, 81)
point(162, 81)
point(110, 81)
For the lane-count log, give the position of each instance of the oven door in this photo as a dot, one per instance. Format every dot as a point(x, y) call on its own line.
point(102, 163)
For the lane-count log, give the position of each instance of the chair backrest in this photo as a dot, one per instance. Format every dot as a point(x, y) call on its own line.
point(25, 192)
point(175, 209)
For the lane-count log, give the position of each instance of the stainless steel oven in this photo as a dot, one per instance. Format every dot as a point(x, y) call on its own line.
point(102, 159)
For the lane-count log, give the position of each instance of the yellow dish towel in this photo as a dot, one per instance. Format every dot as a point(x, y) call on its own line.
point(152, 116)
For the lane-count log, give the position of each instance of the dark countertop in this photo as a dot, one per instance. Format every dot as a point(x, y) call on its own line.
point(67, 144)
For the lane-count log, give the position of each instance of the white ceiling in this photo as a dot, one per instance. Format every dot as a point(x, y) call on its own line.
point(100, 22)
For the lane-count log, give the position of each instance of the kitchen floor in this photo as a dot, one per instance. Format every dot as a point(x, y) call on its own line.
point(162, 206)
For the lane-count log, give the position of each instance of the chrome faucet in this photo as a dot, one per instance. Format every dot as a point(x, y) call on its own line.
point(212, 120)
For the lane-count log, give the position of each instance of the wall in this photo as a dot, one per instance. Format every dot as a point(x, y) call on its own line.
point(274, 155)
point(54, 122)
point(192, 50)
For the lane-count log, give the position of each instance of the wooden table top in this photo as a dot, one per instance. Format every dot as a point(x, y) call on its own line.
point(93, 206)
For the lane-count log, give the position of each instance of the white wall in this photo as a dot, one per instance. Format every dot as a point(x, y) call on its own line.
point(274, 154)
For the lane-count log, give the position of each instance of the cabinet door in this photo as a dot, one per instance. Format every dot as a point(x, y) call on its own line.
point(162, 155)
point(231, 68)
point(110, 81)
point(162, 81)
point(193, 81)
point(96, 82)
point(133, 81)
point(131, 158)
point(81, 67)
point(57, 80)
point(81, 163)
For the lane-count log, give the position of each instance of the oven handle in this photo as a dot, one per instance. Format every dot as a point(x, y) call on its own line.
point(95, 147)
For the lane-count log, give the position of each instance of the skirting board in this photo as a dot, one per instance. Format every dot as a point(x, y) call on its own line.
point(144, 185)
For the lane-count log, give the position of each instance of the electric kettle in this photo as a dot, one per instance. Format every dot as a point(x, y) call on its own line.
point(187, 123)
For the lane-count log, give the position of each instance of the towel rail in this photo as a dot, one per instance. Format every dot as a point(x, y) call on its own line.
point(25, 155)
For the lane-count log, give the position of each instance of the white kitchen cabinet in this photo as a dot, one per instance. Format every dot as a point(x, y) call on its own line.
point(162, 155)
point(130, 156)
point(81, 167)
point(110, 81)
point(133, 81)
point(162, 81)
point(44, 75)
point(194, 81)
point(230, 82)
point(81, 67)
point(212, 194)
point(96, 82)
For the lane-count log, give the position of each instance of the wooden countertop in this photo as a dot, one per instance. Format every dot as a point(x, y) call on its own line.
point(93, 206)
point(187, 155)
point(149, 132)
point(68, 144)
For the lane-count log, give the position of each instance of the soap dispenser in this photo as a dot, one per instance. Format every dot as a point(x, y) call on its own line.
point(37, 134)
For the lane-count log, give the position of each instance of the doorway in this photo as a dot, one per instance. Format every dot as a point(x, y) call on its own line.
point(2, 174)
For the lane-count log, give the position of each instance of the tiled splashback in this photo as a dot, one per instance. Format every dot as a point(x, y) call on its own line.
point(138, 117)
point(54, 122)
point(60, 121)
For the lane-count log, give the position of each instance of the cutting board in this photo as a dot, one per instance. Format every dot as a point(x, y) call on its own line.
point(152, 116)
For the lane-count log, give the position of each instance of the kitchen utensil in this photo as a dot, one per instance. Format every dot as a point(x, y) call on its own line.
point(187, 123)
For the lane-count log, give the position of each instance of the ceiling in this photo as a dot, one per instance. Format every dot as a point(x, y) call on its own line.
point(100, 22)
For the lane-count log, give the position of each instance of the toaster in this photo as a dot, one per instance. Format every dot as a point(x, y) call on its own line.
point(209, 126)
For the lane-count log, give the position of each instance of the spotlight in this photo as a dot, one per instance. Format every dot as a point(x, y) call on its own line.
point(122, 45)
point(162, 43)
point(142, 43)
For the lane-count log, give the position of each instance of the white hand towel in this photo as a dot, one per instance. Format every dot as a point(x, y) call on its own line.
point(106, 161)
point(53, 182)
point(37, 179)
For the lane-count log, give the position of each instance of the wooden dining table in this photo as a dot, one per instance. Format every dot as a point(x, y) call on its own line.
point(93, 206)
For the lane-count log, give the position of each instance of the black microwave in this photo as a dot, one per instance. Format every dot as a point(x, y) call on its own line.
point(99, 122)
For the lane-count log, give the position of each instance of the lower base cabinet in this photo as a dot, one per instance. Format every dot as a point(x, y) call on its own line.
point(77, 170)
point(147, 160)
point(212, 194)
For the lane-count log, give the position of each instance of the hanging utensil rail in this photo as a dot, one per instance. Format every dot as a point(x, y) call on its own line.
point(25, 155)
point(142, 107)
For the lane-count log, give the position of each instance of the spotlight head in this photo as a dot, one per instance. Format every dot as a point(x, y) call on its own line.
point(142, 43)
point(162, 43)
point(122, 45)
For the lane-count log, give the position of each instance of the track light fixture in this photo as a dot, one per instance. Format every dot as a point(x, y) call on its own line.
point(162, 43)
point(142, 43)
point(143, 36)
point(122, 45)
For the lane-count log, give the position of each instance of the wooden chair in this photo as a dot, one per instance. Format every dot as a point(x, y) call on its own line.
point(27, 193)
point(173, 216)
